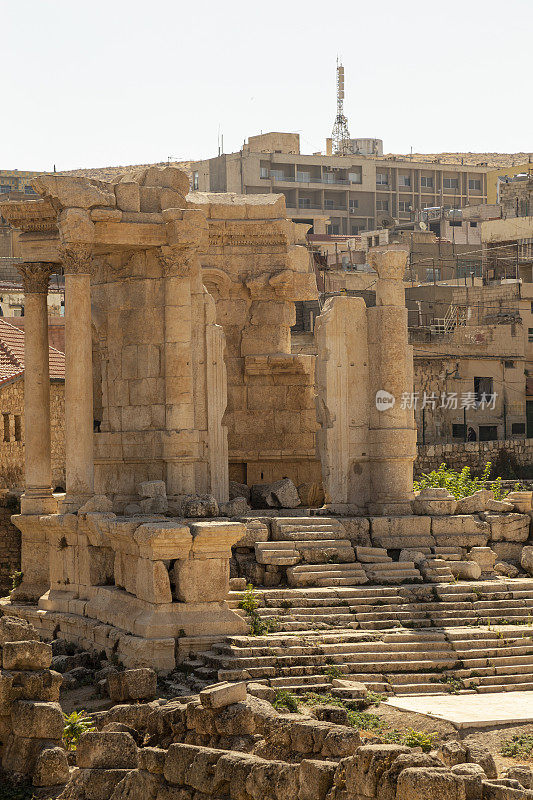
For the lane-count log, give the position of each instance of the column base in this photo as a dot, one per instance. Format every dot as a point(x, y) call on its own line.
point(70, 503)
point(395, 508)
point(38, 501)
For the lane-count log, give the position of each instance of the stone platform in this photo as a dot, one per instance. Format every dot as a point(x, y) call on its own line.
point(473, 711)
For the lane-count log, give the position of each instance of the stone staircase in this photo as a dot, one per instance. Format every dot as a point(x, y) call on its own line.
point(407, 639)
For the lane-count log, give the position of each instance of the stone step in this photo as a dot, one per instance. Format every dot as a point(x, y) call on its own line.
point(372, 555)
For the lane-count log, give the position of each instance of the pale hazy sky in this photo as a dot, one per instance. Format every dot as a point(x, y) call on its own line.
point(107, 82)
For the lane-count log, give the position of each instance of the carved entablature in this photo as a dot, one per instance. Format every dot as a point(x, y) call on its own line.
point(176, 262)
point(76, 258)
point(35, 276)
point(30, 215)
point(261, 235)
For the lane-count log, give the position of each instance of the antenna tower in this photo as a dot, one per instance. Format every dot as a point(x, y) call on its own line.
point(340, 135)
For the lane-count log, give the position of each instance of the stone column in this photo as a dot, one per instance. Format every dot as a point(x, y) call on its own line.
point(392, 428)
point(78, 376)
point(37, 497)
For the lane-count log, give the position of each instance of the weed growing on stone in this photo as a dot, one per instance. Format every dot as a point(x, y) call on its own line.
point(453, 685)
point(333, 671)
point(285, 700)
point(461, 484)
point(411, 738)
point(16, 579)
point(250, 603)
point(518, 746)
point(75, 724)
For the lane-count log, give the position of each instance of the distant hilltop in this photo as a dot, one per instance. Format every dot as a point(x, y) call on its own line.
point(490, 159)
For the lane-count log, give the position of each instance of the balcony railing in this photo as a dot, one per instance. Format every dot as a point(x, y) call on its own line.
point(299, 179)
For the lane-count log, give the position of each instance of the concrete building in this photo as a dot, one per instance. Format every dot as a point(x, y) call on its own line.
point(356, 192)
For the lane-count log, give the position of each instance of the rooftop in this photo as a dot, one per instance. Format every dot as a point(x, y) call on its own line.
point(12, 355)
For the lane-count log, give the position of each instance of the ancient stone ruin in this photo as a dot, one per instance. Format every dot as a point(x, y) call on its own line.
point(180, 376)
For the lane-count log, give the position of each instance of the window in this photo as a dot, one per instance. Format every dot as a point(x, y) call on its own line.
point(6, 427)
point(455, 223)
point(353, 204)
point(530, 334)
point(264, 172)
point(356, 229)
point(509, 364)
point(382, 205)
point(488, 433)
point(458, 431)
point(18, 428)
point(474, 184)
point(432, 274)
point(382, 178)
point(404, 205)
point(483, 387)
point(332, 229)
point(277, 174)
point(450, 183)
point(473, 224)
point(355, 177)
point(304, 202)
point(404, 180)
point(518, 428)
point(195, 183)
point(303, 177)
point(426, 182)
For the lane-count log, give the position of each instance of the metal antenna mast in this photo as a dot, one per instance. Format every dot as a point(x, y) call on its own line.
point(340, 135)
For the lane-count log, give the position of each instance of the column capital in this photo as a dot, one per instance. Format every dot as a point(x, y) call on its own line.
point(35, 276)
point(76, 258)
point(176, 262)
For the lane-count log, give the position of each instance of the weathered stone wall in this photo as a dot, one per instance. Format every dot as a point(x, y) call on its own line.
point(9, 542)
point(473, 454)
point(12, 433)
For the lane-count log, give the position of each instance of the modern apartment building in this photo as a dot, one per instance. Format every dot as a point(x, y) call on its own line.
point(354, 192)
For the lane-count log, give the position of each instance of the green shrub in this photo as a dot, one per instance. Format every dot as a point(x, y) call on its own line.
point(75, 724)
point(16, 579)
point(250, 603)
point(333, 671)
point(286, 700)
point(518, 746)
point(460, 484)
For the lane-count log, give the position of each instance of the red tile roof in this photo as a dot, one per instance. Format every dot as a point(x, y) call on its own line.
point(12, 355)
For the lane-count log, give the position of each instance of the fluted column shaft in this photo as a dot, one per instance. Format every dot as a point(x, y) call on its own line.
point(78, 376)
point(37, 498)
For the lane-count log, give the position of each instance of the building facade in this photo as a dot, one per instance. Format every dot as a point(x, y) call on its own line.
point(356, 192)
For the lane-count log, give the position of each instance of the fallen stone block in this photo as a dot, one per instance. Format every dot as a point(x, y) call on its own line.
point(434, 501)
point(465, 570)
point(472, 776)
point(51, 768)
point(348, 689)
point(99, 503)
point(484, 556)
point(112, 750)
point(239, 490)
point(430, 783)
point(223, 694)
point(315, 779)
point(477, 753)
point(505, 569)
point(474, 503)
point(520, 500)
point(13, 629)
point(132, 684)
point(32, 655)
point(526, 560)
point(508, 527)
point(37, 720)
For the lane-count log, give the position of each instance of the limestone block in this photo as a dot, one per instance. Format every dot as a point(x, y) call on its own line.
point(463, 530)
point(75, 192)
point(430, 783)
point(153, 582)
point(97, 503)
point(256, 531)
point(132, 684)
point(311, 495)
point(435, 502)
point(357, 530)
point(97, 784)
point(477, 753)
point(511, 552)
point(316, 779)
point(215, 538)
point(170, 177)
point(96, 566)
point(112, 750)
point(499, 506)
point(37, 720)
point(526, 560)
point(505, 569)
point(474, 503)
point(163, 540)
point(508, 527)
point(154, 505)
point(200, 506)
point(465, 570)
point(399, 527)
point(520, 500)
point(472, 776)
point(234, 508)
point(483, 556)
point(369, 763)
point(238, 490)
point(152, 760)
point(223, 694)
point(20, 753)
point(261, 496)
point(128, 196)
point(51, 768)
point(201, 580)
point(152, 489)
point(26, 655)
